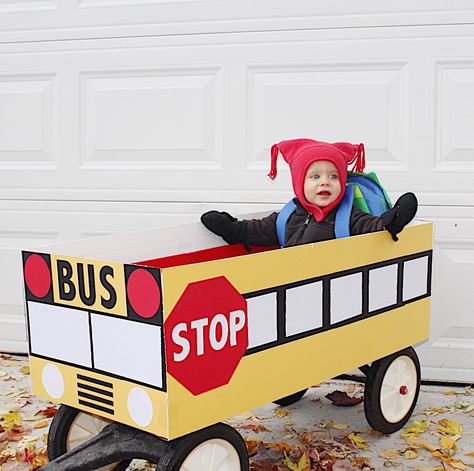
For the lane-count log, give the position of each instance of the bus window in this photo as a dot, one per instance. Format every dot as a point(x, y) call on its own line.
point(134, 351)
point(415, 278)
point(346, 297)
point(383, 287)
point(304, 308)
point(262, 319)
point(59, 332)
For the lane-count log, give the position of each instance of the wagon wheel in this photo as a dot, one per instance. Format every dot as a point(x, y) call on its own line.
point(215, 448)
point(391, 390)
point(291, 399)
point(70, 428)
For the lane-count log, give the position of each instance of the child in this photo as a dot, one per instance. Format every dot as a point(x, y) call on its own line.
point(319, 173)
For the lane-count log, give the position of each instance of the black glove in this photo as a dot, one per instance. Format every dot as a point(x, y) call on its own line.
point(400, 215)
point(224, 225)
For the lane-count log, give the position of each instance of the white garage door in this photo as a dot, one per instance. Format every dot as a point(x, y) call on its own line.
point(124, 115)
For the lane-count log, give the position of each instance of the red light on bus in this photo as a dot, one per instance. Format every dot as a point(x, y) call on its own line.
point(37, 276)
point(143, 293)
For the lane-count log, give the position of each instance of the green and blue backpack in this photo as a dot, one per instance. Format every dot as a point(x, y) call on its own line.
point(363, 191)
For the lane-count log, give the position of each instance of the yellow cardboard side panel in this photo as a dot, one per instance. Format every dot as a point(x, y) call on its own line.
point(72, 274)
point(268, 269)
point(277, 372)
point(135, 405)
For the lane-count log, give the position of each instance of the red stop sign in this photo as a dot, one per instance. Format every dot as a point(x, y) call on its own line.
point(206, 335)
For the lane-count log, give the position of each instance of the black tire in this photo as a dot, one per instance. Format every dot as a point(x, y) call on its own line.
point(386, 409)
point(59, 433)
point(179, 449)
point(291, 399)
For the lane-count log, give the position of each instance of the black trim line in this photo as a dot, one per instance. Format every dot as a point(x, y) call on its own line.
point(96, 390)
point(95, 398)
point(96, 381)
point(96, 406)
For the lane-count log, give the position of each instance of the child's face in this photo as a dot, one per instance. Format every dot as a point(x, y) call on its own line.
point(321, 183)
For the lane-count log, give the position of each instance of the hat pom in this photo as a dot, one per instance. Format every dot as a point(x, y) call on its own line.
point(273, 167)
point(358, 159)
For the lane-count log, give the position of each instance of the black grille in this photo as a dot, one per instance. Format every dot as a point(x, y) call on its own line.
point(96, 390)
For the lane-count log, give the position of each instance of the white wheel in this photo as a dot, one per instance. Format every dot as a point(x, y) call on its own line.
point(391, 390)
point(212, 455)
point(215, 448)
point(398, 389)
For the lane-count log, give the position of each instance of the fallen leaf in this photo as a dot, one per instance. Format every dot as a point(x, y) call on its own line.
point(450, 393)
point(339, 398)
point(300, 466)
point(471, 455)
point(48, 412)
point(358, 441)
point(280, 412)
point(255, 427)
point(415, 441)
point(410, 454)
point(11, 419)
point(25, 370)
point(414, 428)
point(448, 427)
point(338, 426)
point(434, 410)
point(344, 465)
point(41, 424)
point(390, 454)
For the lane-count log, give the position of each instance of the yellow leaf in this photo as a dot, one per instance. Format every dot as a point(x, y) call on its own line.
point(11, 419)
point(280, 412)
point(420, 443)
point(410, 454)
point(358, 441)
point(338, 426)
point(25, 370)
point(414, 428)
point(471, 455)
point(447, 443)
point(450, 393)
point(390, 454)
point(43, 423)
point(434, 410)
point(448, 427)
point(300, 466)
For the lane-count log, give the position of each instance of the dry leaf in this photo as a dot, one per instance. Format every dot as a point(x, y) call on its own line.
point(450, 393)
point(448, 427)
point(48, 412)
point(410, 454)
point(279, 412)
point(41, 424)
point(390, 454)
point(358, 441)
point(338, 426)
point(339, 398)
point(414, 428)
point(25, 370)
point(471, 455)
point(414, 441)
point(11, 419)
point(255, 427)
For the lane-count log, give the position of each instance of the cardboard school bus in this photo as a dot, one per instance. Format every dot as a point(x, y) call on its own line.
point(169, 332)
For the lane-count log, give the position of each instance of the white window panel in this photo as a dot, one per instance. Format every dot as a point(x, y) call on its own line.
point(304, 308)
point(127, 348)
point(60, 332)
point(383, 287)
point(262, 319)
point(346, 297)
point(415, 278)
